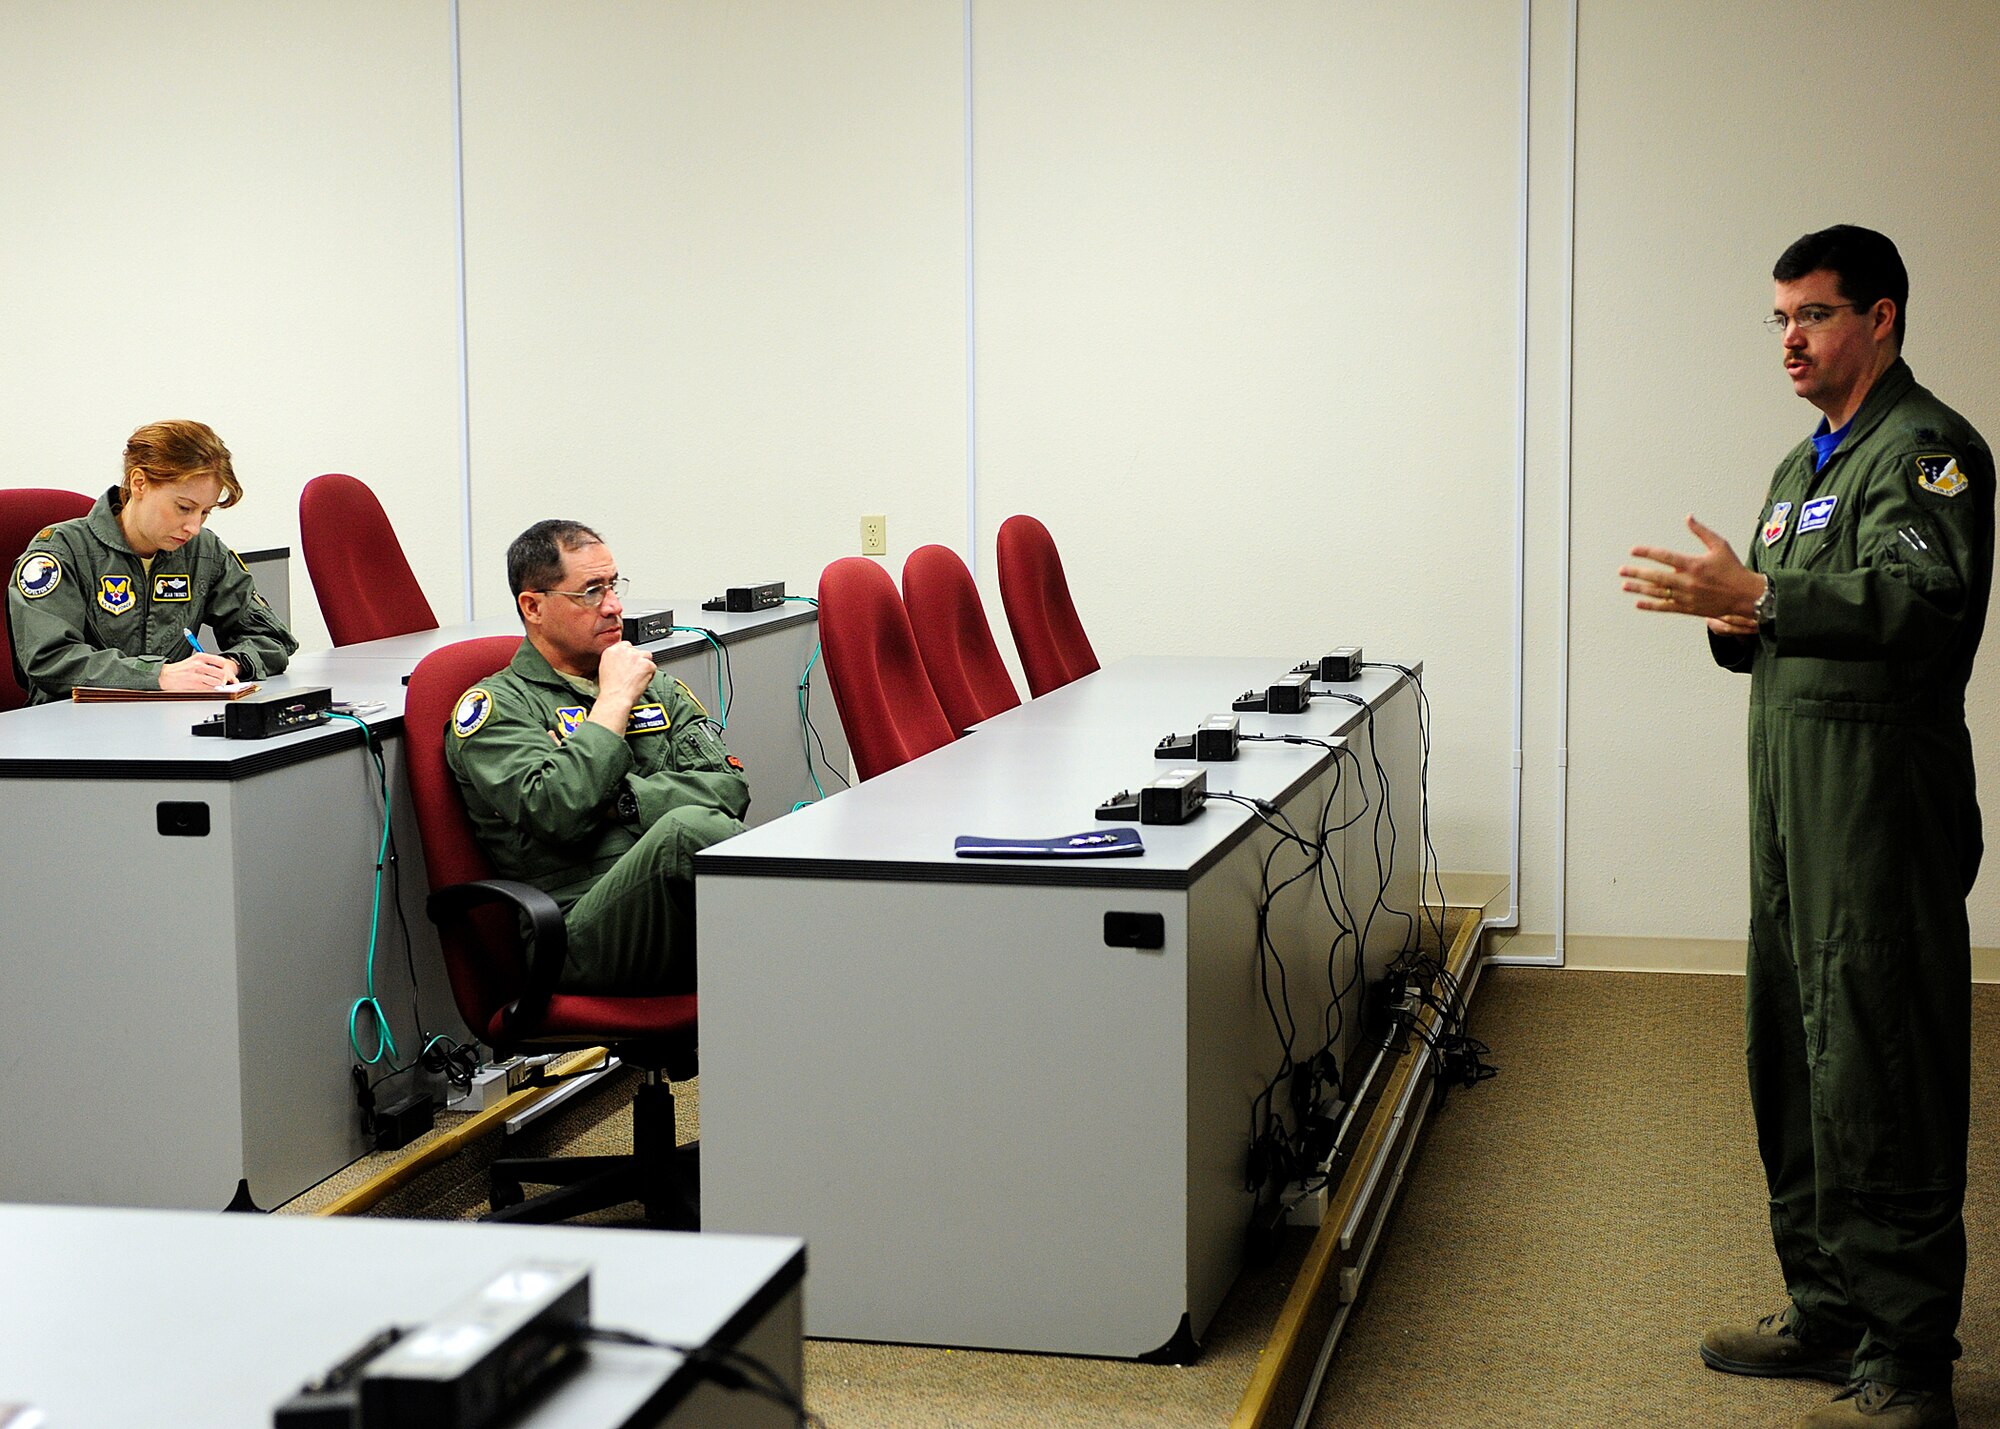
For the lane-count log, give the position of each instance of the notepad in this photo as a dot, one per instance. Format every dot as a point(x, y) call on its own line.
point(107, 695)
point(1095, 843)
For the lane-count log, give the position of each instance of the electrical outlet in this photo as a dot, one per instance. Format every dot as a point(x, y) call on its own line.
point(874, 535)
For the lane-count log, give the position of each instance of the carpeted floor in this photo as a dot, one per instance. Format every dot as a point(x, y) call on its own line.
point(1572, 1226)
point(1565, 1233)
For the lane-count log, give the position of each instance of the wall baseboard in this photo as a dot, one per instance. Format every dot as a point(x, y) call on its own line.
point(1667, 955)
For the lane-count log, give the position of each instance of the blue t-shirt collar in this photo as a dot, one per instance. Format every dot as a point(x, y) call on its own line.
point(1825, 443)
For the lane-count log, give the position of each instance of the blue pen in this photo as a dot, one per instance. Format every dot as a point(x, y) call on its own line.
point(192, 641)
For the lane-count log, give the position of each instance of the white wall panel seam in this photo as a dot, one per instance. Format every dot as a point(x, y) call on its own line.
point(971, 335)
point(464, 350)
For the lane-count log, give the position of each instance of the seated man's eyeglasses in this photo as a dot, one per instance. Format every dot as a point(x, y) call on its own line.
point(597, 592)
point(1810, 316)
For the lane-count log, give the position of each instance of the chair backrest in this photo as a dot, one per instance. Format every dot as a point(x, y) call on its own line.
point(24, 511)
point(482, 955)
point(1047, 634)
point(887, 707)
point(956, 643)
point(365, 588)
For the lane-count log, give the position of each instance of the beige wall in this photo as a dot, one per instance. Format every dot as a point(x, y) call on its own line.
point(1244, 319)
point(242, 213)
point(1711, 134)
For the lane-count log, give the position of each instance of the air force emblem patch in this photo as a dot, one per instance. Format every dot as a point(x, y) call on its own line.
point(1815, 514)
point(471, 711)
point(114, 593)
point(646, 719)
point(1940, 476)
point(39, 574)
point(1781, 512)
point(172, 588)
point(568, 718)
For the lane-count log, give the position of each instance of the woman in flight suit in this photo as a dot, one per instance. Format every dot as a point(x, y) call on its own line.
point(107, 599)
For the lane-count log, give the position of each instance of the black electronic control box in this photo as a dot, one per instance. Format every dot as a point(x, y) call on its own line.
point(1216, 738)
point(1174, 797)
point(270, 712)
point(1341, 665)
point(1290, 695)
point(748, 597)
point(481, 1360)
point(646, 629)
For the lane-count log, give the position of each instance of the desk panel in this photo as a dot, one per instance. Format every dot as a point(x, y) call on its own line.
point(179, 1022)
point(993, 1128)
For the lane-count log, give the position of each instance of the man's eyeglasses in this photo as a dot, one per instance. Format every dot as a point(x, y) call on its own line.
point(1810, 316)
point(596, 592)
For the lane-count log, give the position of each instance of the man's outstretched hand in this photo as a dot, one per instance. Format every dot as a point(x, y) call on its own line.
point(1714, 584)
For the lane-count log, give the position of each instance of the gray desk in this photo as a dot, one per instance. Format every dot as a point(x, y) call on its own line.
point(993, 1128)
point(175, 1026)
point(116, 1318)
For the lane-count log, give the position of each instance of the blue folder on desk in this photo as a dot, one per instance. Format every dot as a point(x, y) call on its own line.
point(1094, 843)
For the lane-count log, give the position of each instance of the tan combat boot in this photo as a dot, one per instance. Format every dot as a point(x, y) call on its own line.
point(1772, 1349)
point(1871, 1404)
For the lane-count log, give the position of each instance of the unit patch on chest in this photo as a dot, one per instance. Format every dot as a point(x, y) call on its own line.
point(1940, 476)
point(1815, 514)
point(646, 719)
point(568, 718)
point(1781, 512)
point(114, 593)
point(172, 588)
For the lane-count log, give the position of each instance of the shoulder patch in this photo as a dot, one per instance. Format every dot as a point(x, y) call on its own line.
point(115, 594)
point(45, 533)
point(647, 719)
point(1940, 476)
point(1775, 527)
point(691, 695)
point(568, 718)
point(471, 711)
point(38, 574)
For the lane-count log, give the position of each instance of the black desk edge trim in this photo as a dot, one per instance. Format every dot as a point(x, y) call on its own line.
point(1046, 873)
point(251, 762)
point(681, 1383)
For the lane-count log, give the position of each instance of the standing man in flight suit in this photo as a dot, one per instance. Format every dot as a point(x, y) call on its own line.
point(1857, 619)
point(592, 775)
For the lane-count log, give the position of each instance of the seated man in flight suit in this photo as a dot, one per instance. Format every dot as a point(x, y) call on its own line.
point(592, 775)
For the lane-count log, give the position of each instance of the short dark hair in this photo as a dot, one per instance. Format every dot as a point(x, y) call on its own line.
point(536, 557)
point(1865, 262)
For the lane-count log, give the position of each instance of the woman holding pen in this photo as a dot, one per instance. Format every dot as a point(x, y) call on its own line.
point(111, 597)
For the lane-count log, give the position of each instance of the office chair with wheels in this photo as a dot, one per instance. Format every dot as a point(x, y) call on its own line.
point(24, 511)
point(954, 639)
point(504, 944)
point(365, 588)
point(1047, 634)
point(887, 706)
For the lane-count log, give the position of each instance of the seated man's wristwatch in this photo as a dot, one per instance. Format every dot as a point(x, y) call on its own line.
point(626, 806)
point(1767, 607)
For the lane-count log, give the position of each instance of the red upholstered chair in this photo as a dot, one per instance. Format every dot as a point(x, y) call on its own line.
point(504, 944)
point(956, 643)
point(24, 511)
point(886, 704)
point(1053, 648)
point(359, 573)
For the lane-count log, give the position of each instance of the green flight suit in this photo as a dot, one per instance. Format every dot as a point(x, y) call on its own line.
point(542, 785)
point(1864, 842)
point(83, 610)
